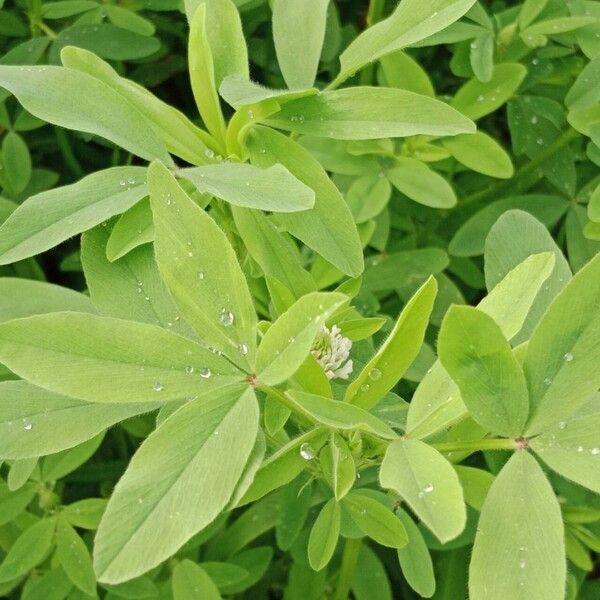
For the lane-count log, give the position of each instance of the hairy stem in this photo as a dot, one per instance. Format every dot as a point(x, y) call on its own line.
point(474, 445)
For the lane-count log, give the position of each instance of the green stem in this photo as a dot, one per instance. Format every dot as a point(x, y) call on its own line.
point(67, 153)
point(287, 402)
point(349, 562)
point(474, 445)
point(525, 171)
point(376, 8)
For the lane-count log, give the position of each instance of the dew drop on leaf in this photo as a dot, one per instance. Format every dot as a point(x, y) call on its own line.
point(158, 387)
point(189, 370)
point(226, 318)
point(205, 373)
point(375, 374)
point(568, 357)
point(307, 452)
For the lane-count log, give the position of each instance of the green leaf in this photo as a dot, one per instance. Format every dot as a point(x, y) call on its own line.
point(397, 353)
point(191, 582)
point(368, 113)
point(56, 466)
point(275, 253)
point(562, 352)
point(85, 514)
point(421, 184)
point(202, 72)
point(535, 35)
point(470, 238)
point(370, 581)
point(476, 484)
point(170, 492)
point(101, 359)
point(530, 10)
point(74, 557)
point(338, 466)
point(324, 535)
point(328, 228)
point(408, 24)
point(482, 153)
point(78, 101)
point(273, 189)
point(16, 163)
point(477, 98)
point(48, 218)
point(52, 585)
point(368, 196)
point(479, 359)
point(519, 549)
point(179, 134)
point(376, 520)
point(130, 288)
point(482, 55)
point(585, 92)
point(21, 470)
point(415, 560)
point(29, 549)
point(428, 484)
point(133, 228)
point(213, 296)
point(288, 341)
point(25, 297)
point(339, 415)
point(515, 236)
point(572, 447)
point(35, 422)
point(402, 71)
point(295, 504)
point(298, 33)
point(12, 504)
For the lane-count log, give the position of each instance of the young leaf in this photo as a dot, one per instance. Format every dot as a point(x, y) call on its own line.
point(191, 582)
point(415, 560)
point(295, 504)
point(397, 353)
point(35, 422)
point(273, 189)
point(427, 482)
point(338, 466)
point(298, 33)
point(48, 218)
point(572, 447)
point(376, 520)
point(170, 492)
point(482, 153)
point(29, 549)
point(519, 549)
point(324, 535)
point(100, 359)
point(368, 113)
point(561, 359)
point(213, 296)
point(25, 297)
point(421, 184)
point(288, 341)
point(21, 470)
point(408, 24)
point(78, 101)
point(16, 162)
point(328, 228)
point(74, 557)
point(339, 415)
point(480, 361)
point(133, 228)
point(370, 580)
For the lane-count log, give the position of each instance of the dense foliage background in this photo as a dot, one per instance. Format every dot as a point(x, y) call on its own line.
point(419, 204)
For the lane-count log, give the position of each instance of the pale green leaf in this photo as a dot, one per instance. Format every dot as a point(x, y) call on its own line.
point(481, 153)
point(74, 557)
point(133, 228)
point(564, 350)
point(428, 484)
point(35, 422)
point(79, 101)
point(239, 91)
point(298, 33)
point(479, 359)
point(191, 582)
point(48, 218)
point(365, 113)
point(212, 294)
point(397, 353)
point(519, 548)
point(273, 189)
point(172, 491)
point(102, 359)
point(324, 535)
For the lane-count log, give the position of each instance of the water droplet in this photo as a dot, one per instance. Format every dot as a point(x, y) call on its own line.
point(122, 183)
point(596, 451)
point(209, 153)
point(226, 318)
point(158, 387)
point(243, 349)
point(540, 141)
point(364, 387)
point(568, 357)
point(562, 425)
point(579, 448)
point(375, 374)
point(200, 275)
point(307, 452)
point(534, 120)
point(547, 381)
point(428, 488)
point(216, 432)
point(189, 370)
point(205, 373)
point(131, 181)
point(522, 563)
point(480, 98)
point(27, 425)
point(250, 114)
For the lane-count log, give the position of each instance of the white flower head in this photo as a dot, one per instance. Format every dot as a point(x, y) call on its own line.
point(331, 349)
